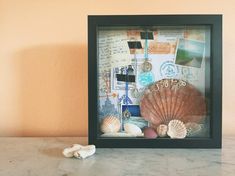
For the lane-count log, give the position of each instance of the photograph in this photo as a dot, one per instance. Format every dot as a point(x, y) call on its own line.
point(190, 53)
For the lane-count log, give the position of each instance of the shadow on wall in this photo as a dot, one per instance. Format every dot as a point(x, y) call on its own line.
point(53, 90)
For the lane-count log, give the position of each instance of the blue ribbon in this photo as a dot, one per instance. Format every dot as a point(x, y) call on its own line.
point(126, 87)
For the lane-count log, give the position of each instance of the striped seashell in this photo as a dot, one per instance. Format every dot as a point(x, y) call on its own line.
point(193, 129)
point(170, 99)
point(176, 129)
point(110, 124)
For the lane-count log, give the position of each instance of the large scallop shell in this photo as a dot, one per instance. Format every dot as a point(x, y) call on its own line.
point(110, 124)
point(132, 129)
point(170, 99)
point(176, 129)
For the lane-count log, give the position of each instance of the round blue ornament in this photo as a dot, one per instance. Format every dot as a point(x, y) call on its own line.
point(146, 78)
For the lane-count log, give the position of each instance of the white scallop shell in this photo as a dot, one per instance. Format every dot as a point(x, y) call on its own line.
point(162, 130)
point(176, 129)
point(193, 129)
point(110, 124)
point(132, 129)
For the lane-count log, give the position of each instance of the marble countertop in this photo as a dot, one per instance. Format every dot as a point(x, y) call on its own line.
point(43, 157)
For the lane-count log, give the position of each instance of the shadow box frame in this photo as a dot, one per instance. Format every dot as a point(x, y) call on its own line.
point(215, 23)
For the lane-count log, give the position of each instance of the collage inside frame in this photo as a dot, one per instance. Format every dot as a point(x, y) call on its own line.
point(153, 82)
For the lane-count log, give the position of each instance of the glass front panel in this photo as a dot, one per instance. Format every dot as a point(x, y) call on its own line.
point(154, 82)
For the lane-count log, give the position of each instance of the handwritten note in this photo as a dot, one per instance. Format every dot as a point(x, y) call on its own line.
point(113, 50)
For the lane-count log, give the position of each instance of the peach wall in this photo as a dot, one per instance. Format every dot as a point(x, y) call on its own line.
point(43, 60)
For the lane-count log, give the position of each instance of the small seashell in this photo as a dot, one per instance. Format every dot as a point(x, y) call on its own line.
point(68, 152)
point(162, 130)
point(84, 152)
point(110, 124)
point(193, 129)
point(176, 129)
point(150, 133)
point(132, 129)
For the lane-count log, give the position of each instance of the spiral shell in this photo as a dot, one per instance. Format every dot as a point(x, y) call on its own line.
point(132, 129)
point(110, 124)
point(170, 99)
point(176, 129)
point(162, 130)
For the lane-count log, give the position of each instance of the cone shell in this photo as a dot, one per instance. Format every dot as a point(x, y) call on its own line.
point(162, 130)
point(110, 124)
point(176, 129)
point(132, 129)
point(170, 99)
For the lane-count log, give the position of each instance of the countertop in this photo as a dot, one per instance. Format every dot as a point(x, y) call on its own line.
point(43, 157)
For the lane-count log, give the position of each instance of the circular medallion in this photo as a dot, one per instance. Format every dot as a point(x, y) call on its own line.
point(126, 114)
point(146, 66)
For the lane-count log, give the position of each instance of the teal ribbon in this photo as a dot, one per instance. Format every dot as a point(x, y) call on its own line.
point(146, 46)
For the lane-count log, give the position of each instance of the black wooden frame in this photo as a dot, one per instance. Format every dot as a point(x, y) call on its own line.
point(215, 21)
